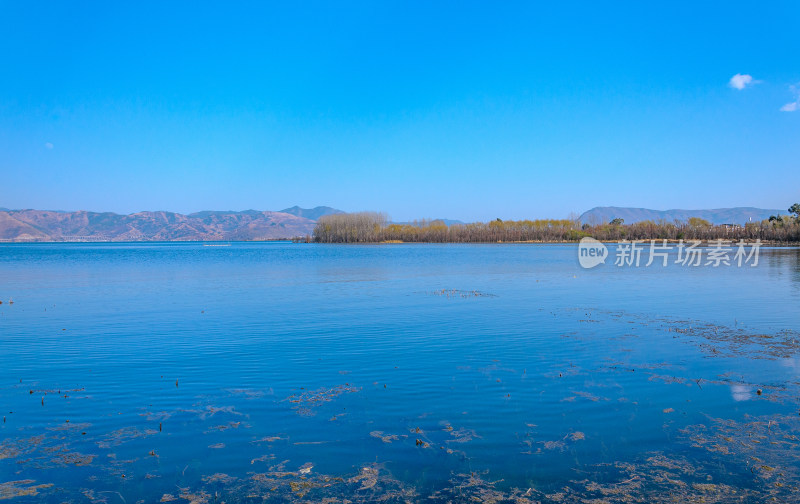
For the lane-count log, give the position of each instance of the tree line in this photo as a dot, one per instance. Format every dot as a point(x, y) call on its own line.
point(374, 227)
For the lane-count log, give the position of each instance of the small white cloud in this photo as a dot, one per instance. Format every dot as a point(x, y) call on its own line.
point(795, 105)
point(48, 145)
point(741, 81)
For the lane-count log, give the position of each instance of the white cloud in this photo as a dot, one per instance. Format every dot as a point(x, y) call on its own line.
point(48, 145)
point(790, 107)
point(795, 105)
point(741, 81)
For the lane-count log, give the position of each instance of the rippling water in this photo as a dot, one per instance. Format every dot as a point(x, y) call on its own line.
point(278, 371)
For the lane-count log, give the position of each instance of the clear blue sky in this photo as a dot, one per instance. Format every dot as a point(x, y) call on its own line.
point(431, 109)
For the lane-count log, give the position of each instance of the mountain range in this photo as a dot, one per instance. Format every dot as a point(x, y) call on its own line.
point(738, 215)
point(45, 225)
point(311, 213)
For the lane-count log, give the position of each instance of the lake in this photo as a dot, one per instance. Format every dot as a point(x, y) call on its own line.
point(276, 372)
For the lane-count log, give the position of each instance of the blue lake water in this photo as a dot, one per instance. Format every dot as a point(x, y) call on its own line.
point(401, 373)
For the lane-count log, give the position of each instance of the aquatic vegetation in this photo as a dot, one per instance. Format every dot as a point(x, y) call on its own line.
point(669, 380)
point(768, 446)
point(250, 393)
point(11, 448)
point(460, 435)
point(368, 478)
point(371, 483)
point(456, 293)
point(263, 458)
point(158, 416)
point(8, 450)
point(473, 487)
point(73, 426)
point(721, 340)
point(267, 439)
point(21, 488)
point(210, 411)
point(553, 445)
point(656, 478)
point(219, 478)
point(224, 427)
point(584, 395)
point(201, 497)
point(735, 341)
point(765, 447)
point(124, 435)
point(306, 401)
point(72, 458)
point(386, 438)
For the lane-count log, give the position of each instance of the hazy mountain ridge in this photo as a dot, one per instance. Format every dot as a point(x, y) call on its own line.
point(737, 215)
point(45, 225)
point(311, 213)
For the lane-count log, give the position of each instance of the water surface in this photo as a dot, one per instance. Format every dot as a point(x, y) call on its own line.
point(279, 371)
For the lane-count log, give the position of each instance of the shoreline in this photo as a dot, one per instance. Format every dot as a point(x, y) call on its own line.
point(216, 243)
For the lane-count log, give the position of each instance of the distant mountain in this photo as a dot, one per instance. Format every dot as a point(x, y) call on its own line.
point(311, 213)
point(43, 225)
point(738, 215)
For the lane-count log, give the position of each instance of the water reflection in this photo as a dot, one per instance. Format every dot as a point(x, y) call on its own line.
point(784, 260)
point(792, 363)
point(740, 392)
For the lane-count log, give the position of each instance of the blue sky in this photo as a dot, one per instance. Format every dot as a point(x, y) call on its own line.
point(431, 109)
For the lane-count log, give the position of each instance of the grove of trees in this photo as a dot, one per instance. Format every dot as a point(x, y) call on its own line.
point(358, 227)
point(374, 227)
